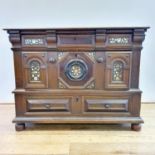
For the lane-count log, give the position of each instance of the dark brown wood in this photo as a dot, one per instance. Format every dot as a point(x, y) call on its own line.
point(77, 75)
point(136, 127)
point(20, 126)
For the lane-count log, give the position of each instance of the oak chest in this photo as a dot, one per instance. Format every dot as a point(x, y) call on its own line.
point(77, 75)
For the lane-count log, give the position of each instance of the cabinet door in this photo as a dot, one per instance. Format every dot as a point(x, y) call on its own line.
point(35, 69)
point(118, 66)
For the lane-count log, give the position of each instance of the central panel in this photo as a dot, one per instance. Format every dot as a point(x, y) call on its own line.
point(75, 70)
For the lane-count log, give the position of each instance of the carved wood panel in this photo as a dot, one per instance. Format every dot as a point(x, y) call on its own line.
point(35, 69)
point(118, 67)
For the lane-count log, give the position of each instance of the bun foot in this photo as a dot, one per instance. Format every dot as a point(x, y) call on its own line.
point(136, 127)
point(20, 126)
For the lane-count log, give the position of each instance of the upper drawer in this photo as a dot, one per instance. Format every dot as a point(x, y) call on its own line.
point(75, 41)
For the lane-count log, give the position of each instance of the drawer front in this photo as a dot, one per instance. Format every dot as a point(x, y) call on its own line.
point(49, 105)
point(105, 105)
point(69, 41)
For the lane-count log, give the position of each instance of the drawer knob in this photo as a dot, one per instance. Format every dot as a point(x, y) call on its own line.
point(100, 59)
point(52, 60)
point(47, 106)
point(107, 106)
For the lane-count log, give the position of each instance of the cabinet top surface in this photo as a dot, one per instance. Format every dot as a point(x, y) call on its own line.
point(79, 28)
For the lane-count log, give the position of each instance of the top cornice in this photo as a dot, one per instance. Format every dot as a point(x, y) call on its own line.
point(75, 28)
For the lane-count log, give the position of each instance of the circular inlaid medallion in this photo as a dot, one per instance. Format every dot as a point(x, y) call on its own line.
point(76, 69)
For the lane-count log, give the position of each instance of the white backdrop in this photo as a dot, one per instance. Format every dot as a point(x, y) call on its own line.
point(77, 13)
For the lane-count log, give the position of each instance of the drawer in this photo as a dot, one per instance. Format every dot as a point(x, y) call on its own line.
point(70, 41)
point(55, 105)
point(106, 105)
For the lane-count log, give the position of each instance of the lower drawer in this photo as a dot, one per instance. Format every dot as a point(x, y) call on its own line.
point(52, 104)
point(105, 105)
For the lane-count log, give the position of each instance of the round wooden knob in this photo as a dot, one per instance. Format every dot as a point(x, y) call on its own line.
point(100, 59)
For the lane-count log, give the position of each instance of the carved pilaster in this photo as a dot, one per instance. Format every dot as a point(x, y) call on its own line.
point(51, 38)
point(100, 38)
point(138, 38)
point(14, 37)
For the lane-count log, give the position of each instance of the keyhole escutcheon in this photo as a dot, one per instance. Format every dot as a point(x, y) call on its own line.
point(77, 99)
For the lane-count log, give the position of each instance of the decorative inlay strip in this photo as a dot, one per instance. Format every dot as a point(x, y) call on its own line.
point(37, 41)
point(119, 39)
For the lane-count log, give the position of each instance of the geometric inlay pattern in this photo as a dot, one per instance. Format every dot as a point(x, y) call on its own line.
point(35, 70)
point(117, 72)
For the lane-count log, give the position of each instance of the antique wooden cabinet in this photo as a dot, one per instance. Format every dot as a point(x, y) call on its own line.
point(77, 75)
